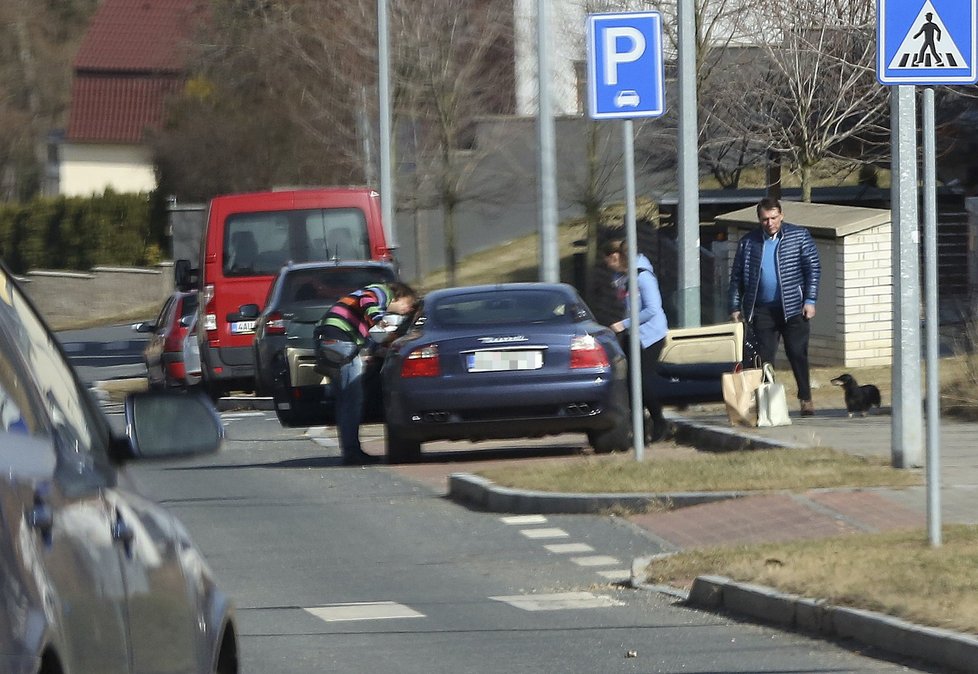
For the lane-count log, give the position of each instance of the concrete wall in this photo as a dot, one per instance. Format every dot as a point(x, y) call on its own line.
point(64, 297)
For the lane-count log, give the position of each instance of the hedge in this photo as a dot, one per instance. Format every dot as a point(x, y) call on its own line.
point(78, 233)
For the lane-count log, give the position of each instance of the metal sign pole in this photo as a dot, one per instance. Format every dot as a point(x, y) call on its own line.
point(906, 422)
point(634, 346)
point(932, 317)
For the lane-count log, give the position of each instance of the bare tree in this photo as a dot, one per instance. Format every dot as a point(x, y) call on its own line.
point(276, 98)
point(37, 42)
point(812, 94)
point(452, 63)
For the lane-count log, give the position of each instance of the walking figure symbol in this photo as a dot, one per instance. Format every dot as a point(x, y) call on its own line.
point(929, 30)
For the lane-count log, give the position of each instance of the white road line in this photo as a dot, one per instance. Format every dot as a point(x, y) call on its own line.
point(241, 415)
point(596, 560)
point(558, 602)
point(567, 548)
point(523, 519)
point(544, 533)
point(617, 575)
point(368, 610)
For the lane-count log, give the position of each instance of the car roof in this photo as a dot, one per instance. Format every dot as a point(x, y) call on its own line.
point(336, 264)
point(435, 295)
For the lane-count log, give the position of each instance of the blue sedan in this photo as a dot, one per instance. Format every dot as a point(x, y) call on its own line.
point(504, 361)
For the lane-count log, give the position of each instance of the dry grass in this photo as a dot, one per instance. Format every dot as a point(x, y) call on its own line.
point(685, 469)
point(898, 574)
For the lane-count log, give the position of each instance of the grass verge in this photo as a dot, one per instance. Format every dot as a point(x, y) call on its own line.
point(898, 574)
point(685, 469)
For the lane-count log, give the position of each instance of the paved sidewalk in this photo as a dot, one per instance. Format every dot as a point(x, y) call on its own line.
point(865, 510)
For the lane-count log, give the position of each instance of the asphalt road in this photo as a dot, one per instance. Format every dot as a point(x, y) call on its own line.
point(345, 569)
point(363, 570)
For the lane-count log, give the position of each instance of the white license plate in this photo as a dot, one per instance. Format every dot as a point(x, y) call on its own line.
point(504, 361)
point(241, 327)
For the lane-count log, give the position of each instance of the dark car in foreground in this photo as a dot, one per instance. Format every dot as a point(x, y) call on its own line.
point(284, 357)
point(95, 576)
point(504, 361)
point(169, 332)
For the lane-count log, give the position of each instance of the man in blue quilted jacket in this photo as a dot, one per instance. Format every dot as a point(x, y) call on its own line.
point(774, 287)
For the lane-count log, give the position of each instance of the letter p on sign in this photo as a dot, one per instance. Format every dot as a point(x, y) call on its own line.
point(625, 71)
point(613, 57)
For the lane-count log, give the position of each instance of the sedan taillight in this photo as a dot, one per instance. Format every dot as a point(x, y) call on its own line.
point(275, 324)
point(586, 351)
point(422, 362)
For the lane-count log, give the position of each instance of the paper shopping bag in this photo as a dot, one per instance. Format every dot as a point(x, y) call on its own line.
point(772, 402)
point(740, 395)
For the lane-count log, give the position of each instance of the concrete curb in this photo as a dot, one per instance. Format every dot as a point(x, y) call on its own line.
point(712, 439)
point(483, 494)
point(478, 492)
point(893, 635)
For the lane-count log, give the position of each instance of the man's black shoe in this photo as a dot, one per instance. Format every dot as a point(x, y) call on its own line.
point(361, 459)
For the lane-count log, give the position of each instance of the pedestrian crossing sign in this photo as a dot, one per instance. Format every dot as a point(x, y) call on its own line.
point(926, 42)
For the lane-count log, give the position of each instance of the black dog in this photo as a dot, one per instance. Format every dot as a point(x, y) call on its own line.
point(858, 398)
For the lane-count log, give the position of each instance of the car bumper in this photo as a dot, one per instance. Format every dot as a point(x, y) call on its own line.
point(429, 411)
point(302, 368)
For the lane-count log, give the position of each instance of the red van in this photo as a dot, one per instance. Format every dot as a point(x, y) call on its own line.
point(247, 238)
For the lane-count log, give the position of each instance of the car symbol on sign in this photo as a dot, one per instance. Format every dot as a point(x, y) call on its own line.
point(628, 98)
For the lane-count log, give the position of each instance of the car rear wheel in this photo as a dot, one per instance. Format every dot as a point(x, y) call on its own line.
point(618, 438)
point(401, 449)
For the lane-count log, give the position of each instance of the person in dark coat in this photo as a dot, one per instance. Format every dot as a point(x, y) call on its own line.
point(774, 287)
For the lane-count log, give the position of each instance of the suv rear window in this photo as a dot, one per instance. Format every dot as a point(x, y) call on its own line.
point(326, 285)
point(259, 244)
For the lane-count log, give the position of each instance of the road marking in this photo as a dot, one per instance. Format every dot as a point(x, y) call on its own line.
point(323, 436)
point(566, 548)
point(544, 533)
point(617, 575)
point(524, 519)
point(596, 560)
point(241, 415)
point(368, 610)
point(558, 602)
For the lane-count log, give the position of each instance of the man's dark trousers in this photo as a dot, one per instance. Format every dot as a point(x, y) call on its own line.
point(770, 327)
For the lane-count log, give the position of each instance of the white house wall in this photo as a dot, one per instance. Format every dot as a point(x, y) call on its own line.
point(88, 169)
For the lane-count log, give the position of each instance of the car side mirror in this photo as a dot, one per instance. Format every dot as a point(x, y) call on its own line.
point(184, 276)
point(145, 326)
point(162, 425)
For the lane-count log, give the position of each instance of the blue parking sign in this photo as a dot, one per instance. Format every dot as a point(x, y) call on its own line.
point(625, 70)
point(926, 42)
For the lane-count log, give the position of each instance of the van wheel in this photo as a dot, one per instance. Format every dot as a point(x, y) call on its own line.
point(399, 448)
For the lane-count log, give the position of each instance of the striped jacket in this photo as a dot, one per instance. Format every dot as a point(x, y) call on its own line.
point(798, 267)
point(357, 312)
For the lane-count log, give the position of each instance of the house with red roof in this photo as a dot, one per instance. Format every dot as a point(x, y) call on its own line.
point(131, 59)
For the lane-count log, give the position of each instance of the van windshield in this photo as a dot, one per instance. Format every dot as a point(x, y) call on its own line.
point(259, 244)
